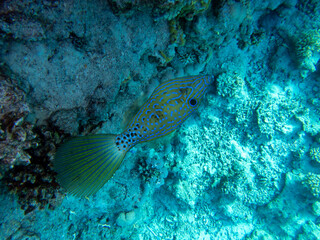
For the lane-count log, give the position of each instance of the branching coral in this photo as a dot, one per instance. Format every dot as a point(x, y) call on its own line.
point(312, 182)
point(307, 49)
point(309, 7)
point(230, 85)
point(315, 154)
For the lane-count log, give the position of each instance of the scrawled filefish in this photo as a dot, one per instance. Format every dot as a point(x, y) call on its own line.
point(84, 164)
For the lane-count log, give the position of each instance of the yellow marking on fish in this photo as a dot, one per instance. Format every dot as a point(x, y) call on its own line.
point(84, 164)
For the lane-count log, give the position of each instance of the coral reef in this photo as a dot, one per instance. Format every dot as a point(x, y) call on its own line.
point(126, 219)
point(280, 116)
point(309, 7)
point(310, 230)
point(259, 234)
point(230, 85)
point(69, 61)
point(307, 49)
point(315, 154)
point(316, 208)
point(245, 166)
point(35, 184)
point(16, 133)
point(25, 153)
point(181, 9)
point(152, 170)
point(177, 36)
point(312, 182)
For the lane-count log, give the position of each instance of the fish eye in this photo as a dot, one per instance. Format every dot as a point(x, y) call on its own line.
point(193, 102)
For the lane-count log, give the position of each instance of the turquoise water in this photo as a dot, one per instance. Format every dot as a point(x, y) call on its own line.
point(245, 165)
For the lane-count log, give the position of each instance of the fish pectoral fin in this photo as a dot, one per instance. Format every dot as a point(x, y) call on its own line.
point(84, 164)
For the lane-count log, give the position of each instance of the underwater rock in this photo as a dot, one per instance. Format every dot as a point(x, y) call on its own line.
point(280, 60)
point(190, 168)
point(126, 219)
point(21, 28)
point(68, 121)
point(93, 70)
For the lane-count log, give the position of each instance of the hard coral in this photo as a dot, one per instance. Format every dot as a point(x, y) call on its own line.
point(24, 159)
point(35, 184)
point(309, 7)
point(15, 133)
point(312, 183)
point(182, 9)
point(230, 84)
point(307, 49)
point(152, 171)
point(176, 10)
point(315, 154)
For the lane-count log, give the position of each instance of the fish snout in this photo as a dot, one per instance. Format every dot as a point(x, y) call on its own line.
point(209, 79)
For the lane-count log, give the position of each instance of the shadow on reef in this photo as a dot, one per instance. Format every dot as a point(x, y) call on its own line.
point(25, 150)
point(35, 184)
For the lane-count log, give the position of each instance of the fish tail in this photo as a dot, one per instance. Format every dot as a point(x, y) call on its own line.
point(84, 164)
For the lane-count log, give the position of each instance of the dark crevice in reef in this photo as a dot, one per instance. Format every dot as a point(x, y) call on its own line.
point(35, 184)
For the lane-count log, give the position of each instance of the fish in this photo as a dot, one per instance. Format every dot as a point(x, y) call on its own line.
point(85, 163)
